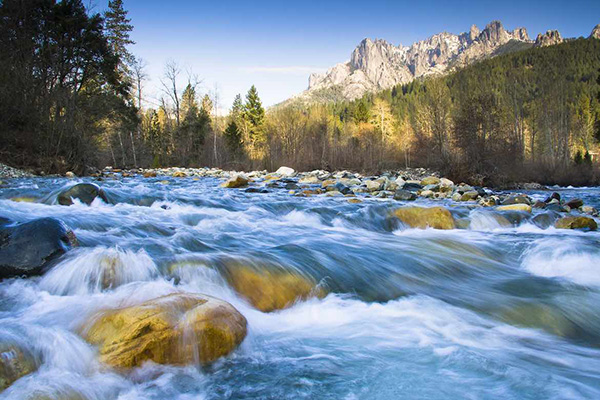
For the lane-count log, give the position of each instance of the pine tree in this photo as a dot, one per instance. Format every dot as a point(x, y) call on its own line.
point(237, 110)
point(254, 114)
point(118, 28)
point(207, 105)
point(233, 138)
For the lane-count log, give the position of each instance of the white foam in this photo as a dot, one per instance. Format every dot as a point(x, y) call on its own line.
point(567, 258)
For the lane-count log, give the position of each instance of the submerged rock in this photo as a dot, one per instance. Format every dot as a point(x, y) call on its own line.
point(576, 223)
point(179, 328)
point(419, 217)
point(574, 203)
point(269, 288)
point(84, 192)
point(402, 194)
point(14, 364)
point(27, 248)
point(518, 199)
point(236, 181)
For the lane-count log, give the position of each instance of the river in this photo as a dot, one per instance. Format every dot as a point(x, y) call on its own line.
point(489, 312)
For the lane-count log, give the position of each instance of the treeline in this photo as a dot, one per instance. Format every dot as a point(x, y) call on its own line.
point(71, 97)
point(530, 115)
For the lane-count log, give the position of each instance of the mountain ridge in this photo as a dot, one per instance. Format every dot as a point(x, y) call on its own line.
point(377, 64)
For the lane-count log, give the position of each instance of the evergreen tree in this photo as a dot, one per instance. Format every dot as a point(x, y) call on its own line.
point(118, 28)
point(207, 105)
point(233, 138)
point(361, 112)
point(254, 114)
point(237, 110)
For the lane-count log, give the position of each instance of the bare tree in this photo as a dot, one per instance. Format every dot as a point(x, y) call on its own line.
point(138, 67)
point(169, 83)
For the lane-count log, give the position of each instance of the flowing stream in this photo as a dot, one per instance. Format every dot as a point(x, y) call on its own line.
point(495, 311)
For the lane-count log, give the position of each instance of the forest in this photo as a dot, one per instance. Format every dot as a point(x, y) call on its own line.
point(72, 98)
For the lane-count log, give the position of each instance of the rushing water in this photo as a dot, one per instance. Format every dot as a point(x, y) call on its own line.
point(488, 312)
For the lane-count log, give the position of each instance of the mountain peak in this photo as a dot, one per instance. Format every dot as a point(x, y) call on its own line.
point(595, 32)
point(377, 64)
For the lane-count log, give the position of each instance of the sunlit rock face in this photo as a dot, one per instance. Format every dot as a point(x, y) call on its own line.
point(378, 64)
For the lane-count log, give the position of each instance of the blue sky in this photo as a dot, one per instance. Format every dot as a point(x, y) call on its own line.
point(276, 44)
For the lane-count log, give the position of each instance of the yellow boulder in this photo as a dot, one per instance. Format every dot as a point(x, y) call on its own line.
point(269, 289)
point(179, 328)
point(14, 364)
point(420, 217)
point(515, 207)
point(236, 182)
point(179, 174)
point(576, 223)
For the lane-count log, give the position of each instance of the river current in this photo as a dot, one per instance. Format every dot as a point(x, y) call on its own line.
point(489, 312)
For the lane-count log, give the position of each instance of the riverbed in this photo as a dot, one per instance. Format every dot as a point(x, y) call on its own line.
point(487, 312)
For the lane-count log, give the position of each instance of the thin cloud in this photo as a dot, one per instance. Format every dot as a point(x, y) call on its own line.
point(290, 70)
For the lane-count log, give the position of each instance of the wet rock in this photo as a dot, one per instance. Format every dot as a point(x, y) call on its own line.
point(545, 220)
point(14, 364)
point(412, 186)
point(343, 189)
point(427, 193)
point(310, 179)
point(419, 217)
point(269, 288)
point(589, 210)
point(70, 175)
point(553, 196)
point(27, 249)
point(404, 195)
point(430, 180)
point(150, 174)
point(236, 181)
point(285, 171)
point(571, 222)
point(446, 185)
point(84, 192)
point(489, 201)
point(355, 201)
point(374, 186)
point(179, 174)
point(256, 190)
point(515, 207)
point(554, 205)
point(574, 203)
point(173, 329)
point(541, 316)
point(539, 204)
point(469, 196)
point(518, 199)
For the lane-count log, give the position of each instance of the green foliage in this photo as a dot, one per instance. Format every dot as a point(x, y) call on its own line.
point(59, 85)
point(233, 139)
point(254, 115)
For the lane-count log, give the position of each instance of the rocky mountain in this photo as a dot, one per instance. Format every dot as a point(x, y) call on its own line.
point(549, 38)
point(377, 64)
point(596, 32)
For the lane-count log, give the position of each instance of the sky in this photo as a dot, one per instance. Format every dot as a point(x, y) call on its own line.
point(275, 45)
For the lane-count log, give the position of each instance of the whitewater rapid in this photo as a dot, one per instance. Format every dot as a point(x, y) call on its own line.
point(494, 311)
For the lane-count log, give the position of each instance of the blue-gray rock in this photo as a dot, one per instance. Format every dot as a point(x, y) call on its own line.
point(84, 192)
point(27, 249)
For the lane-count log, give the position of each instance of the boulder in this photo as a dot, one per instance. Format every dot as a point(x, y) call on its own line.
point(14, 364)
point(236, 181)
point(518, 199)
point(589, 210)
point(553, 196)
point(515, 207)
point(470, 195)
point(446, 185)
point(285, 171)
point(426, 193)
point(373, 186)
point(343, 189)
point(309, 179)
point(419, 217)
point(573, 222)
point(179, 174)
point(269, 288)
point(179, 329)
point(412, 186)
point(430, 180)
point(544, 220)
point(27, 249)
point(150, 174)
point(574, 203)
point(405, 195)
point(70, 175)
point(84, 192)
